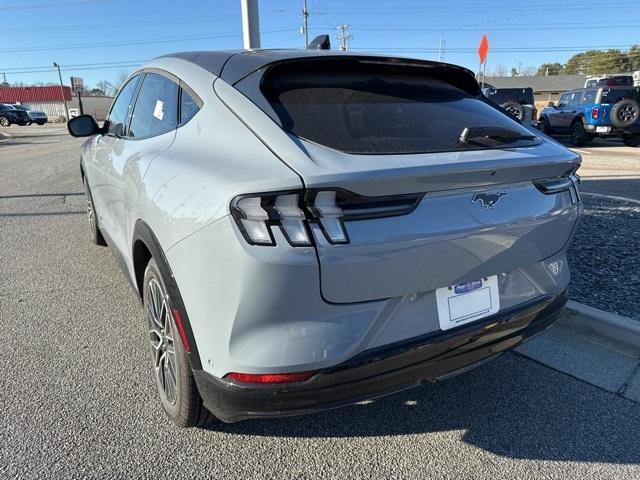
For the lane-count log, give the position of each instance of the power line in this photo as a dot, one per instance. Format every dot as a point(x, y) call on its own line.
point(77, 69)
point(506, 49)
point(93, 64)
point(414, 31)
point(133, 42)
point(480, 8)
point(69, 3)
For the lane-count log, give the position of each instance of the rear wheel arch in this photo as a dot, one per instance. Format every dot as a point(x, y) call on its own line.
point(145, 245)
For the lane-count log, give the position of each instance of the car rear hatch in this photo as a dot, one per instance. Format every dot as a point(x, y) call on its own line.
point(415, 182)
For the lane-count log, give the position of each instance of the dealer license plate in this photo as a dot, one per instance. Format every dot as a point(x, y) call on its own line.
point(467, 302)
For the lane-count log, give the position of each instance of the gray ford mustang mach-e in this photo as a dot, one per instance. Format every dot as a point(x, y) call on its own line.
point(307, 229)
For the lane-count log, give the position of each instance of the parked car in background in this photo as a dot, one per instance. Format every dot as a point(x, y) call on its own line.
point(609, 81)
point(10, 115)
point(590, 112)
point(36, 117)
point(519, 102)
point(308, 230)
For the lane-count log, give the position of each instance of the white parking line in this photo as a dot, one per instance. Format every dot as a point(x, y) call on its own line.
point(612, 197)
point(584, 152)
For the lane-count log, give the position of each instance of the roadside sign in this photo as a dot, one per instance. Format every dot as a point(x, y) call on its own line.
point(483, 49)
point(77, 84)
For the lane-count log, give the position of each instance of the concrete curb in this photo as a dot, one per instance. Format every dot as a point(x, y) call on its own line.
point(622, 331)
point(594, 346)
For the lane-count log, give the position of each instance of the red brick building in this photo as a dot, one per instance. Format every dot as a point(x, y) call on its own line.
point(49, 99)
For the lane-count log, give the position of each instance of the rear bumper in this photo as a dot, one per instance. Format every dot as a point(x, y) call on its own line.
point(614, 131)
point(384, 370)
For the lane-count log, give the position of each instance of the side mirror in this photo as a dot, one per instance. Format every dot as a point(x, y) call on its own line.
point(551, 104)
point(83, 126)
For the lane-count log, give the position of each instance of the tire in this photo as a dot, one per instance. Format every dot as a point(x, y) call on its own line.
point(578, 136)
point(29, 123)
point(94, 228)
point(625, 113)
point(632, 141)
point(544, 126)
point(172, 373)
point(4, 121)
point(514, 109)
point(40, 123)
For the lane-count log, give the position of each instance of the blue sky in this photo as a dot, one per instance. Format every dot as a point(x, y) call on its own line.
point(98, 39)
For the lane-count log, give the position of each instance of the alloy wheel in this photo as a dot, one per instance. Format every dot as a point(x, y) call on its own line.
point(4, 121)
point(90, 212)
point(161, 336)
point(626, 113)
point(513, 111)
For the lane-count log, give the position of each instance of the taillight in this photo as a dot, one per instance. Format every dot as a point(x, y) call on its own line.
point(270, 377)
point(534, 114)
point(595, 113)
point(292, 212)
point(256, 214)
point(329, 215)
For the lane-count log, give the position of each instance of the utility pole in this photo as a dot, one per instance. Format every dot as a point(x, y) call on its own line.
point(441, 49)
point(305, 29)
point(250, 24)
point(343, 36)
point(66, 109)
point(4, 75)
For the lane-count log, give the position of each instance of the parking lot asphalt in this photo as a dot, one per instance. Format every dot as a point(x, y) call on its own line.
point(78, 400)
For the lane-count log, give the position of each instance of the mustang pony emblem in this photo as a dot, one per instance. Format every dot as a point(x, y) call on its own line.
point(488, 200)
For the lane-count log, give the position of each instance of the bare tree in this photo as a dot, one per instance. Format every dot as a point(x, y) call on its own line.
point(106, 86)
point(500, 71)
point(120, 79)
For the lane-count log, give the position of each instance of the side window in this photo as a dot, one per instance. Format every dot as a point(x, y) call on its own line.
point(188, 106)
point(121, 107)
point(574, 98)
point(563, 100)
point(588, 97)
point(156, 108)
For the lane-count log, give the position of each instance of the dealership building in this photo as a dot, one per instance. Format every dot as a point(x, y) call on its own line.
point(546, 88)
point(50, 100)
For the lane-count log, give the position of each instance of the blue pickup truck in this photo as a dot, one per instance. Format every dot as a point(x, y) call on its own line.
point(589, 112)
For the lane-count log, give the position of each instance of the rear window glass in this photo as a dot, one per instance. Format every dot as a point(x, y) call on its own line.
point(379, 113)
point(523, 96)
point(613, 95)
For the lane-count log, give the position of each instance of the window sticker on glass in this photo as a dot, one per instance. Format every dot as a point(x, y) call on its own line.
point(158, 112)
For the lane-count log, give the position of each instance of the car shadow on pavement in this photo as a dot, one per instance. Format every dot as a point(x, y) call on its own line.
point(595, 143)
point(512, 407)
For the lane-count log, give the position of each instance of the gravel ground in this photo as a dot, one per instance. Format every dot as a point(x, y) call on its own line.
point(605, 257)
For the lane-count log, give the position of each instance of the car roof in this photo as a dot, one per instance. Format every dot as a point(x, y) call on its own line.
point(234, 65)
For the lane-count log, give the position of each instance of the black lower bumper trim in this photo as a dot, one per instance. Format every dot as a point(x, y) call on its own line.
point(383, 370)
